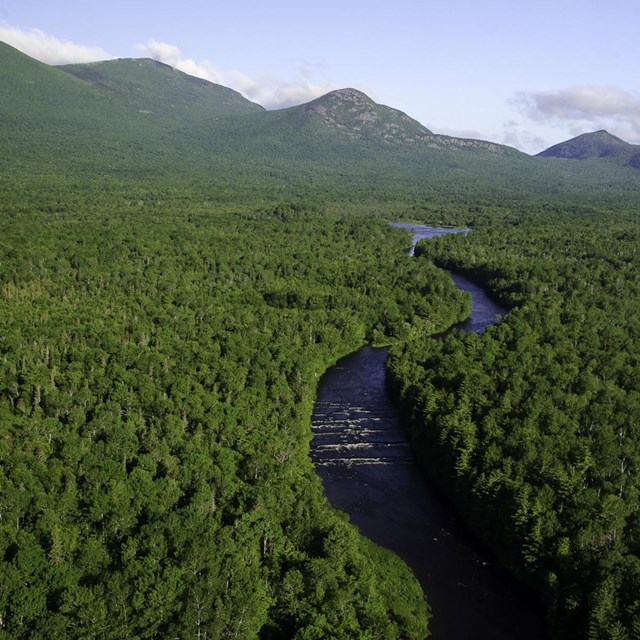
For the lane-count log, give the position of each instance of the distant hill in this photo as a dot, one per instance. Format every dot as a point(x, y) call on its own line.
point(599, 144)
point(357, 116)
point(38, 98)
point(52, 121)
point(346, 131)
point(138, 118)
point(119, 117)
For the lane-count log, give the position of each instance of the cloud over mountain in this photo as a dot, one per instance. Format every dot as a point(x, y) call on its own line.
point(270, 91)
point(49, 49)
point(589, 107)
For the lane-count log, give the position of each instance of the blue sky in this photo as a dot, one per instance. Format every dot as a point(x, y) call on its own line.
point(529, 73)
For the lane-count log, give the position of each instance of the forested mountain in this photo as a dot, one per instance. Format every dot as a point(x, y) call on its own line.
point(167, 95)
point(53, 122)
point(178, 267)
point(600, 144)
point(161, 92)
point(140, 118)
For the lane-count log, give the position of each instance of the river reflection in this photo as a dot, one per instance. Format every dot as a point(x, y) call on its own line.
point(362, 453)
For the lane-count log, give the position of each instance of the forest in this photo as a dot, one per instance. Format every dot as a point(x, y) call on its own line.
point(173, 287)
point(533, 428)
point(158, 375)
point(159, 372)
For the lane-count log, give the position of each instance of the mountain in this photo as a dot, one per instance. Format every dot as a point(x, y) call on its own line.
point(345, 120)
point(137, 118)
point(599, 144)
point(356, 115)
point(160, 91)
point(36, 96)
point(119, 117)
point(345, 131)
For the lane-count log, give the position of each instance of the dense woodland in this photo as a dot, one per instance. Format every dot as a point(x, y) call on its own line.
point(159, 364)
point(534, 427)
point(160, 352)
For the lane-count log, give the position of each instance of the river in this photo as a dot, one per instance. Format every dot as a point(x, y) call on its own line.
point(362, 453)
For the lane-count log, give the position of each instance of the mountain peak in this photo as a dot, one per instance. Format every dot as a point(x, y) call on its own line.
point(603, 133)
point(355, 113)
point(347, 94)
point(340, 100)
point(597, 144)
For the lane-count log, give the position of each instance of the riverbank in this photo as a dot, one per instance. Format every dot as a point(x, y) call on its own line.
point(363, 455)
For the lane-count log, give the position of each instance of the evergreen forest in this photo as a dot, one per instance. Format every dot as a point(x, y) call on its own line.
point(533, 427)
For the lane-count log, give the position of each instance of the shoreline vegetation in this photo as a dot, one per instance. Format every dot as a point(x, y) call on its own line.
point(531, 429)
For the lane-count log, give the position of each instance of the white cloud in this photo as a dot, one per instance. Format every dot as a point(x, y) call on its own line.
point(586, 108)
point(49, 49)
point(516, 134)
point(584, 102)
point(270, 91)
point(171, 55)
point(472, 134)
point(280, 94)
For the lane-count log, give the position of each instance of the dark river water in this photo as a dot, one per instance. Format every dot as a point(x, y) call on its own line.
point(362, 453)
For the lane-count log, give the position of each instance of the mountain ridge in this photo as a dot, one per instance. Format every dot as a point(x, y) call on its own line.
point(596, 145)
point(149, 86)
point(354, 111)
point(136, 117)
point(118, 77)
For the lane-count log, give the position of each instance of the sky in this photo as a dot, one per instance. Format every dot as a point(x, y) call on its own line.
point(528, 74)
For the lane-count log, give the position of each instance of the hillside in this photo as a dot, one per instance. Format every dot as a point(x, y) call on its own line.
point(55, 122)
point(161, 92)
point(599, 144)
point(139, 119)
point(355, 116)
point(39, 102)
point(354, 113)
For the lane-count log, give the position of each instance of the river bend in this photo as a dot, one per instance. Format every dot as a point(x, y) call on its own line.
point(362, 453)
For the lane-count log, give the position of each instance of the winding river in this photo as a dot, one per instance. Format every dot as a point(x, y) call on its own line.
point(362, 453)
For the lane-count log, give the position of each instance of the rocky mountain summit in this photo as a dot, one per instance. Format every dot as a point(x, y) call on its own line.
point(356, 114)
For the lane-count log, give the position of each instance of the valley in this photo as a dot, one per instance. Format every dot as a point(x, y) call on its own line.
point(178, 269)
